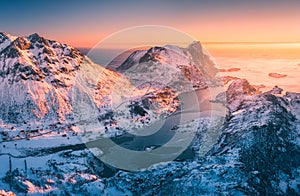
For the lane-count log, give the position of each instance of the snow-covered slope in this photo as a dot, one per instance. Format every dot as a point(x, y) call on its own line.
point(192, 66)
point(39, 76)
point(44, 81)
point(257, 153)
point(5, 40)
point(36, 75)
point(50, 91)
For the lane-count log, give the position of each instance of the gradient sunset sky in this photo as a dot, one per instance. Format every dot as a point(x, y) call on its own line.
point(84, 23)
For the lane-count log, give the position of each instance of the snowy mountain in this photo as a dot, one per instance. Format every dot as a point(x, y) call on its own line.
point(53, 99)
point(5, 40)
point(39, 78)
point(257, 153)
point(170, 64)
point(44, 81)
point(35, 77)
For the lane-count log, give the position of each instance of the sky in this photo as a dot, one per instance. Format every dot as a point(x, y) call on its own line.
point(84, 23)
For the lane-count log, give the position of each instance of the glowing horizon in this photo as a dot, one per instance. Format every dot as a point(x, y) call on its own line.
point(83, 25)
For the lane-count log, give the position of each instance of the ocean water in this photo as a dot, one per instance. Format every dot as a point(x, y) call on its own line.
point(105, 57)
point(257, 60)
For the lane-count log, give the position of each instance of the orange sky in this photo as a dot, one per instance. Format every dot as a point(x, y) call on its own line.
point(236, 29)
point(83, 24)
point(277, 24)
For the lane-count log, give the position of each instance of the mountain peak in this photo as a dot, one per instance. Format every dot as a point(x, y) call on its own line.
point(35, 70)
point(35, 37)
point(7, 35)
point(3, 34)
point(22, 43)
point(5, 40)
point(195, 44)
point(34, 57)
point(237, 91)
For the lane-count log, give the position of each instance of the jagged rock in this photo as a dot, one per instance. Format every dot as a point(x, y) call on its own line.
point(275, 90)
point(192, 64)
point(258, 153)
point(237, 91)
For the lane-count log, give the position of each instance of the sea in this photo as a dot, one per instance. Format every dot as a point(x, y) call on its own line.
point(257, 60)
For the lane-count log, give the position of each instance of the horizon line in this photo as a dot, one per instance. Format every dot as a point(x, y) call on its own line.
point(251, 42)
point(233, 42)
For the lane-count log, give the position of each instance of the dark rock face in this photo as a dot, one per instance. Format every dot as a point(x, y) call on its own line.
point(131, 60)
point(11, 52)
point(266, 149)
point(151, 54)
point(22, 43)
point(202, 59)
point(275, 90)
point(135, 110)
point(3, 37)
point(264, 133)
point(273, 157)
